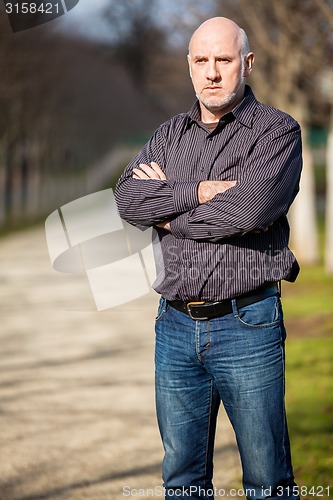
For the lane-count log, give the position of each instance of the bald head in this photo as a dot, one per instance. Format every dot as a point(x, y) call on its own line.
point(218, 27)
point(219, 61)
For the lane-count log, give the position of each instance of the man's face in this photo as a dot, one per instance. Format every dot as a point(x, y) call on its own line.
point(217, 70)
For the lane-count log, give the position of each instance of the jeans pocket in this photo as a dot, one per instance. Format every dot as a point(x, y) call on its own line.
point(162, 308)
point(262, 314)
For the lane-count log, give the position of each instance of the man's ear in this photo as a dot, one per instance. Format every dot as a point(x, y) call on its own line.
point(249, 64)
point(189, 64)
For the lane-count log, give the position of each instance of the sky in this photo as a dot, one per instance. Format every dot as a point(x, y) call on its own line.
point(87, 17)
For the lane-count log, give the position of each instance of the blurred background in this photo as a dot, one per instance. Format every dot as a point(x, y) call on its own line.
point(78, 97)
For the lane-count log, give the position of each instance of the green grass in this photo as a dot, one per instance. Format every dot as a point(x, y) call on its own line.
point(310, 409)
point(311, 294)
point(308, 308)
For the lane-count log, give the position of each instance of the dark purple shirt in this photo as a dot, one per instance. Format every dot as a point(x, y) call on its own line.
point(222, 248)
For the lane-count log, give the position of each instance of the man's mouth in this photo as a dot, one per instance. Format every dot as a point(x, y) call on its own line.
point(213, 87)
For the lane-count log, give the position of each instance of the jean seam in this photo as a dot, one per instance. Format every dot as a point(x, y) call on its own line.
point(284, 390)
point(197, 341)
point(208, 429)
point(208, 336)
point(257, 327)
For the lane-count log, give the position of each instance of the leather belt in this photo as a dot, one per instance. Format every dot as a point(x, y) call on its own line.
point(202, 311)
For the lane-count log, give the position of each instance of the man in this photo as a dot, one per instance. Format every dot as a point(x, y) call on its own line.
point(217, 183)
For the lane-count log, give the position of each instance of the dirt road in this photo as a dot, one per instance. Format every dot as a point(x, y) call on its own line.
point(77, 417)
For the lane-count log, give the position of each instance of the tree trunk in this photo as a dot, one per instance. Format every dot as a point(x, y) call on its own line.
point(304, 235)
point(2, 183)
point(329, 201)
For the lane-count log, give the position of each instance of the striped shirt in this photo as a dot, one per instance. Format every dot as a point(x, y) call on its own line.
point(238, 241)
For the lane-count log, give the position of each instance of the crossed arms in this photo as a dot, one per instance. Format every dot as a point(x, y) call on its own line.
point(213, 209)
point(206, 189)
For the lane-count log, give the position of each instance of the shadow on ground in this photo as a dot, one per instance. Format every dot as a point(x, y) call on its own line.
point(77, 416)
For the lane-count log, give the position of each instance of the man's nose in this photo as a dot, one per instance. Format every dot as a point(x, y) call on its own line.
point(213, 73)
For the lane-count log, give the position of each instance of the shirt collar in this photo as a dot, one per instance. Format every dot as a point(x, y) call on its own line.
point(244, 111)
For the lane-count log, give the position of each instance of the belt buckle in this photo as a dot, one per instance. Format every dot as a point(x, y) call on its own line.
point(188, 307)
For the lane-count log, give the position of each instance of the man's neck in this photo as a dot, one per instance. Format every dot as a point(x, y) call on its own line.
point(208, 116)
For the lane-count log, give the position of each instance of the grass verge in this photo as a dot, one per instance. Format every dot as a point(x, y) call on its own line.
point(310, 410)
point(308, 308)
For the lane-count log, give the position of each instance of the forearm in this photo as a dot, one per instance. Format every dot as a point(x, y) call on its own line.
point(155, 203)
point(207, 190)
point(185, 196)
point(149, 202)
point(244, 209)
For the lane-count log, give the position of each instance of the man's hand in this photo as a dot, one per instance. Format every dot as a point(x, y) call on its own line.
point(152, 171)
point(164, 225)
point(208, 189)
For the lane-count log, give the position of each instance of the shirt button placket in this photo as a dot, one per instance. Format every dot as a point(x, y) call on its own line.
point(206, 152)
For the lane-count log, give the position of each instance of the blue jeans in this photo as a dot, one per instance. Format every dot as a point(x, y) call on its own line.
point(237, 359)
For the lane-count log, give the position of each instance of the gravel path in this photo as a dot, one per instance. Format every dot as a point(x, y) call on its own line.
point(77, 417)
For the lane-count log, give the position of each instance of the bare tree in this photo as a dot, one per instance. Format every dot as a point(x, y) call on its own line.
point(26, 74)
point(326, 9)
point(152, 46)
point(138, 38)
point(63, 107)
point(329, 199)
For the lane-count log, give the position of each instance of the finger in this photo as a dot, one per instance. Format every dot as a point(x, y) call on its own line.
point(155, 166)
point(150, 172)
point(139, 174)
point(164, 225)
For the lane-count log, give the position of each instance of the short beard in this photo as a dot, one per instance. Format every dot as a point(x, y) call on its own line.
point(218, 103)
